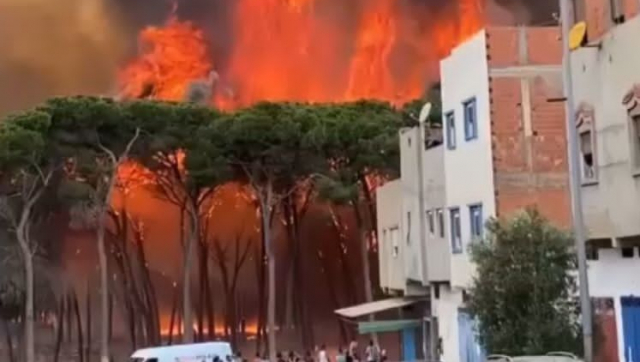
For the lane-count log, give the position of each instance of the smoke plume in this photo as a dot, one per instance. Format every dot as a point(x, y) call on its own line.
point(57, 48)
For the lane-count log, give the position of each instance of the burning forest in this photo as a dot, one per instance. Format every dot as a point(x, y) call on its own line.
point(238, 53)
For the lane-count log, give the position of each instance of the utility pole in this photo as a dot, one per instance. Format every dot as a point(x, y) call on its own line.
point(566, 9)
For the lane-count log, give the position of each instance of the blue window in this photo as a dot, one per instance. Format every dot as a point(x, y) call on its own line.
point(475, 218)
point(450, 120)
point(456, 235)
point(470, 119)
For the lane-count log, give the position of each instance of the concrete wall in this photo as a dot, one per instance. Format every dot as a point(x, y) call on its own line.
point(389, 210)
point(614, 276)
point(468, 167)
point(438, 249)
point(412, 216)
point(446, 308)
point(601, 78)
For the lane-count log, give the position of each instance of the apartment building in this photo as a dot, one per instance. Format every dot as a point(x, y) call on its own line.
point(606, 86)
point(505, 149)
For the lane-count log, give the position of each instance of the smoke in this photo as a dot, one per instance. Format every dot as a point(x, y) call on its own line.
point(57, 48)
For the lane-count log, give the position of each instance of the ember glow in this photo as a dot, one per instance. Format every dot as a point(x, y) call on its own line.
point(306, 50)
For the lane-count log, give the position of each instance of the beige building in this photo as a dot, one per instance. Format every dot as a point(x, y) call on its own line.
point(606, 82)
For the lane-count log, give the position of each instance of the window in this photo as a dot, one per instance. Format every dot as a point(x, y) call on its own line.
point(456, 237)
point(617, 11)
point(586, 151)
point(408, 227)
point(409, 141)
point(440, 216)
point(475, 218)
point(395, 242)
point(627, 252)
point(635, 141)
point(470, 120)
point(451, 130)
point(430, 221)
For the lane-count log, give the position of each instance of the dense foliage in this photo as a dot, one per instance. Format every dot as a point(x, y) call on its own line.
point(524, 293)
point(73, 147)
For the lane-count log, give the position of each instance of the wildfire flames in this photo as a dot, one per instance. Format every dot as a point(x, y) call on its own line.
point(301, 50)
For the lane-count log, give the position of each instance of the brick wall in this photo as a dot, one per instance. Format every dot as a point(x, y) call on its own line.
point(528, 131)
point(598, 15)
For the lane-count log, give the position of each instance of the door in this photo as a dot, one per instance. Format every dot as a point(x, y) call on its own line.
point(631, 328)
point(409, 344)
point(469, 348)
point(605, 332)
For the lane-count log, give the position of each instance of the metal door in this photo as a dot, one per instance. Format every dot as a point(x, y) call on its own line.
point(409, 344)
point(469, 348)
point(631, 328)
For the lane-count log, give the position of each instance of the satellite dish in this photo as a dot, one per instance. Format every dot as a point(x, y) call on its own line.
point(424, 112)
point(577, 35)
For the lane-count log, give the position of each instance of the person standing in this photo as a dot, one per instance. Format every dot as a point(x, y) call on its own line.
point(322, 354)
point(352, 354)
point(372, 353)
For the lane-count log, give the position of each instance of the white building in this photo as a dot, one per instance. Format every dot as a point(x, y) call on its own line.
point(504, 149)
point(606, 80)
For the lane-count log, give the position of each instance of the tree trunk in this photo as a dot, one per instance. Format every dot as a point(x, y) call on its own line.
point(88, 311)
point(60, 330)
point(29, 342)
point(260, 256)
point(266, 201)
point(76, 311)
point(328, 272)
point(104, 282)
point(211, 322)
point(187, 317)
point(364, 255)
point(9, 340)
point(172, 319)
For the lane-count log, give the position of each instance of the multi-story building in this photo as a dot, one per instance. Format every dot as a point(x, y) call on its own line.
point(606, 87)
point(504, 149)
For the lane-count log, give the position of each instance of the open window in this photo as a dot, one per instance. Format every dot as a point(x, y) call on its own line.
point(587, 144)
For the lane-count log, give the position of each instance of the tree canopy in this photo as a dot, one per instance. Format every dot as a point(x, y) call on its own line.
point(524, 293)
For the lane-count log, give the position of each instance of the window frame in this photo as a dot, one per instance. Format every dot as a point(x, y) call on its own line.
point(450, 124)
point(456, 243)
point(395, 241)
point(470, 133)
point(583, 166)
point(585, 123)
point(634, 140)
point(431, 226)
point(442, 225)
point(408, 227)
point(476, 235)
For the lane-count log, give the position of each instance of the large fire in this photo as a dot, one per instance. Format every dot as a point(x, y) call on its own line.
point(306, 50)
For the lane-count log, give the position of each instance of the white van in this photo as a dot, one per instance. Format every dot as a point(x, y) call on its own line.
point(198, 352)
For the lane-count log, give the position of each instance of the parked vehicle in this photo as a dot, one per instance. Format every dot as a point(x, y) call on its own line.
point(549, 357)
point(197, 352)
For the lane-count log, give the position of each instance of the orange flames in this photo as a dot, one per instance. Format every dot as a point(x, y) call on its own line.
point(306, 50)
point(174, 55)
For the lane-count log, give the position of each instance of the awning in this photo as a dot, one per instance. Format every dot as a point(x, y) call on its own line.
point(387, 326)
point(374, 307)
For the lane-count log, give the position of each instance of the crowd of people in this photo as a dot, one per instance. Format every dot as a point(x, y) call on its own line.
point(372, 353)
